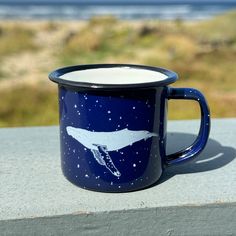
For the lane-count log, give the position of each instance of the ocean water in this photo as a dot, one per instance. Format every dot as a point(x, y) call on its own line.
point(63, 10)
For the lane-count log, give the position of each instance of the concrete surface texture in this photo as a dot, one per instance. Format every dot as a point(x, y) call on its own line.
point(199, 196)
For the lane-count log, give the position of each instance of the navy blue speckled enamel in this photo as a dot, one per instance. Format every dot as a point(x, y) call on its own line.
point(113, 137)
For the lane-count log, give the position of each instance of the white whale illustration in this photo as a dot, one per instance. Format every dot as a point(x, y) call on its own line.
point(100, 143)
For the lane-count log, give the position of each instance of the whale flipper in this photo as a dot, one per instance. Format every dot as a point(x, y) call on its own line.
point(98, 157)
point(103, 158)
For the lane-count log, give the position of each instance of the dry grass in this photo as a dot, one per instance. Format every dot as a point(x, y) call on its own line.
point(29, 105)
point(15, 39)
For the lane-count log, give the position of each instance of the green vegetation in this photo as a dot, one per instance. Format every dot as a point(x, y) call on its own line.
point(29, 105)
point(15, 39)
point(202, 53)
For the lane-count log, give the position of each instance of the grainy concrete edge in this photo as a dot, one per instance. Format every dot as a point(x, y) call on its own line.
point(213, 219)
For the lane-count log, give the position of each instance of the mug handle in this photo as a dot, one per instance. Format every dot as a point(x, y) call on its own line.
point(193, 150)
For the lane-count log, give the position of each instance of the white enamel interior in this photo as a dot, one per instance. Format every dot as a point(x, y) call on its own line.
point(114, 75)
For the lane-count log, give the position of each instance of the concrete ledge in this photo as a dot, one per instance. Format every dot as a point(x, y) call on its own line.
point(198, 198)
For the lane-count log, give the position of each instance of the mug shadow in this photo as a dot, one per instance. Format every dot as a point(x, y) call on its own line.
point(214, 156)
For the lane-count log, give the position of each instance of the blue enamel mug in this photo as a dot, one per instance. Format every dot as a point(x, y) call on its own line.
point(113, 120)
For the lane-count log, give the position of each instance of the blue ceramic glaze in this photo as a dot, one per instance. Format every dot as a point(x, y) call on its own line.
point(199, 144)
point(113, 137)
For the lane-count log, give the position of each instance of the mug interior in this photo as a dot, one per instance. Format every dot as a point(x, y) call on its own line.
point(114, 76)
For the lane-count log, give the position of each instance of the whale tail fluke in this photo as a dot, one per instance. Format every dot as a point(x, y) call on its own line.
point(152, 135)
point(103, 158)
point(149, 135)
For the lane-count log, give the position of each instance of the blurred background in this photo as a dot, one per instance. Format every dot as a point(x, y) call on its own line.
point(197, 39)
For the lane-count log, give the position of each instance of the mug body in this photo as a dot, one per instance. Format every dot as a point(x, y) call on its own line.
point(112, 140)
